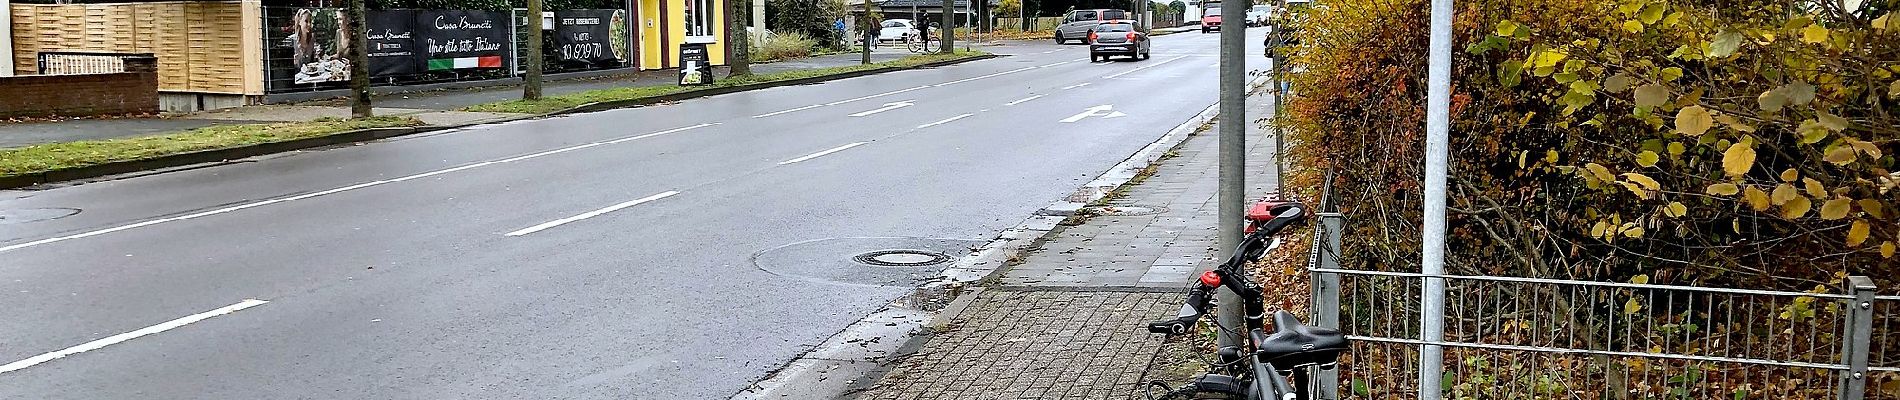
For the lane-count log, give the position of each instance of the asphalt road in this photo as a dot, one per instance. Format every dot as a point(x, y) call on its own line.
point(607, 255)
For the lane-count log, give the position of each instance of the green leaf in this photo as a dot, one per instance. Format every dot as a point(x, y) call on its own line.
point(1546, 58)
point(1507, 28)
point(1811, 131)
point(1632, 26)
point(1814, 34)
point(1800, 92)
point(1893, 90)
point(1872, 207)
point(1676, 149)
point(1670, 74)
point(1651, 95)
point(1647, 158)
point(1725, 44)
point(1694, 120)
point(1510, 73)
point(1565, 77)
point(1632, 306)
point(1652, 13)
point(1617, 83)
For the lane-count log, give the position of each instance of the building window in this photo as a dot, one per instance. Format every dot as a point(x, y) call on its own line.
point(699, 21)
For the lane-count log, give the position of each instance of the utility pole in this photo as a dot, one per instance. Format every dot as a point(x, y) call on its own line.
point(359, 61)
point(531, 81)
point(739, 45)
point(1431, 357)
point(1233, 156)
point(949, 33)
point(866, 27)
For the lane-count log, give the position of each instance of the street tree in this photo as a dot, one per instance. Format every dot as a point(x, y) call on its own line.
point(531, 81)
point(359, 61)
point(738, 40)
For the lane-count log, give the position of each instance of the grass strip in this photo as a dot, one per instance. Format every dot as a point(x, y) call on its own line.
point(57, 156)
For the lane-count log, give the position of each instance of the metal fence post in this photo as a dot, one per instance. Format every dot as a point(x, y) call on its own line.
point(1326, 294)
point(1856, 338)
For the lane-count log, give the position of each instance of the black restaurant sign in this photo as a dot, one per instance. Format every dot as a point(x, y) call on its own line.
point(588, 35)
point(392, 49)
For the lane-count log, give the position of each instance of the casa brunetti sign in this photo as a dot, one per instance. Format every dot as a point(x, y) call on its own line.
point(461, 39)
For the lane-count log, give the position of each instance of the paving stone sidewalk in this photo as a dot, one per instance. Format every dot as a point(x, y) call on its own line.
point(1067, 322)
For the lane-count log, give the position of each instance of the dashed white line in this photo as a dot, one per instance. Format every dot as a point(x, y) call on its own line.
point(1144, 67)
point(821, 153)
point(591, 214)
point(340, 189)
point(984, 76)
point(1023, 100)
point(944, 121)
point(1075, 86)
point(115, 339)
point(876, 95)
point(788, 111)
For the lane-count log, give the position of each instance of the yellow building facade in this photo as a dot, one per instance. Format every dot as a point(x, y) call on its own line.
point(665, 25)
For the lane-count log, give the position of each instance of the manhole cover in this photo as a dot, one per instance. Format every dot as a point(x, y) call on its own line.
point(902, 258)
point(26, 215)
point(1132, 209)
point(876, 261)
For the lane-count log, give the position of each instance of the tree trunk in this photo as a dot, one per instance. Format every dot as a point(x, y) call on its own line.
point(359, 61)
point(738, 41)
point(531, 81)
point(949, 26)
point(866, 26)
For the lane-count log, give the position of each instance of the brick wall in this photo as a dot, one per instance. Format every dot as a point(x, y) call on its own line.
point(134, 91)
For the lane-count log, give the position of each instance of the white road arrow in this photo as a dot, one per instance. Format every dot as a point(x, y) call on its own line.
point(886, 107)
point(1104, 111)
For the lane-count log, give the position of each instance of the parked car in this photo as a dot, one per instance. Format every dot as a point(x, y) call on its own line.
point(895, 30)
point(1117, 38)
point(1076, 25)
point(1210, 16)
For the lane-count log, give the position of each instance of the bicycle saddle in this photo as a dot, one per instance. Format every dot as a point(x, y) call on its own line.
point(1293, 344)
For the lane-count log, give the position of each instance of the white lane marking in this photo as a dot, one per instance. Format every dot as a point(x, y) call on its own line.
point(788, 111)
point(1105, 111)
point(987, 76)
point(944, 121)
point(821, 153)
point(1075, 86)
point(886, 107)
point(877, 95)
point(591, 214)
point(340, 189)
point(1051, 51)
point(115, 339)
point(1023, 100)
point(1144, 67)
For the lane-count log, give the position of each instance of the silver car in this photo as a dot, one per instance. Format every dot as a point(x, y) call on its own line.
point(1076, 25)
point(1117, 38)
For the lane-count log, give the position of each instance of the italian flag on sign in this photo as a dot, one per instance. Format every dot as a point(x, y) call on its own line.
point(437, 64)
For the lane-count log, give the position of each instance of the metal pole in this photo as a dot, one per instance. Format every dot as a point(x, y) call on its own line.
point(1431, 358)
point(1856, 342)
point(1326, 295)
point(1233, 157)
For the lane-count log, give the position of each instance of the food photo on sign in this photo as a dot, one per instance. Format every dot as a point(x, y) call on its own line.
point(589, 38)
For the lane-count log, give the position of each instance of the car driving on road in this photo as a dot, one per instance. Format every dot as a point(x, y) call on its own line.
point(1210, 16)
point(1077, 24)
point(1117, 38)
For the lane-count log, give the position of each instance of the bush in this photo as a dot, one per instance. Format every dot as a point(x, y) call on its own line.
point(783, 46)
point(815, 19)
point(1748, 144)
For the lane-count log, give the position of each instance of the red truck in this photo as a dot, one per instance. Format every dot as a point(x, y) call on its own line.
point(1210, 16)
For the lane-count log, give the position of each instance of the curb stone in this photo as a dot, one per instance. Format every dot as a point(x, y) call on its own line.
point(364, 135)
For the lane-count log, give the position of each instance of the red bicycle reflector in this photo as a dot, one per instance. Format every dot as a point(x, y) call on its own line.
point(1210, 278)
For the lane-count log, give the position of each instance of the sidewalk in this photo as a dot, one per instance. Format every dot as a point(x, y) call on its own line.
point(1067, 322)
point(432, 107)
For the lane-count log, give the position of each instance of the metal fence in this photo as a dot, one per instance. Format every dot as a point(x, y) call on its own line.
point(83, 62)
point(1527, 338)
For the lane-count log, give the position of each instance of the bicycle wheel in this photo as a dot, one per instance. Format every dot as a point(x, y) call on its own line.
point(1185, 392)
point(915, 45)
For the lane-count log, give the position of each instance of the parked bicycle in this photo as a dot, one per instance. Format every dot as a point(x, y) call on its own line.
point(1261, 371)
point(917, 41)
